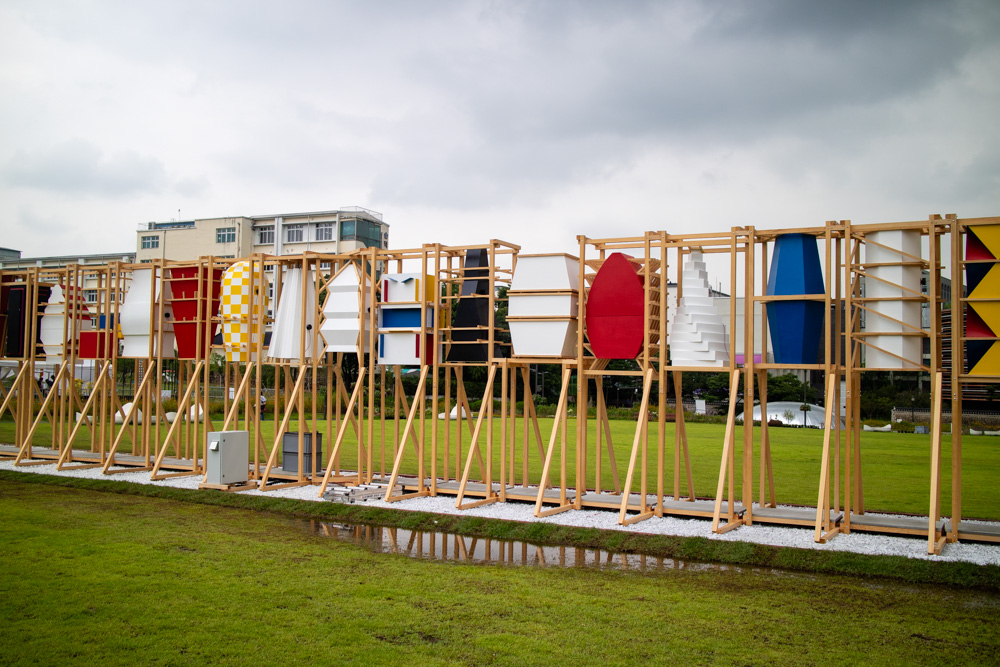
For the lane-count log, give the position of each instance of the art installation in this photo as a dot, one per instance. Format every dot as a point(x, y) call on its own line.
point(294, 313)
point(615, 310)
point(54, 330)
point(982, 316)
point(189, 310)
point(543, 306)
point(893, 316)
point(404, 339)
point(345, 325)
point(796, 326)
point(868, 290)
point(140, 326)
point(472, 315)
point(697, 332)
point(241, 301)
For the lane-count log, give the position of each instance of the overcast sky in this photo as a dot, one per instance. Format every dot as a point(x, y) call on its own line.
point(530, 122)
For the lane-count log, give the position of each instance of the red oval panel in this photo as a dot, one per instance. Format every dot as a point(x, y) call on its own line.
point(614, 310)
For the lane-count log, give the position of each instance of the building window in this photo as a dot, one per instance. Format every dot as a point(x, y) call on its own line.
point(145, 261)
point(90, 295)
point(369, 233)
point(294, 234)
point(324, 231)
point(266, 235)
point(225, 235)
point(150, 242)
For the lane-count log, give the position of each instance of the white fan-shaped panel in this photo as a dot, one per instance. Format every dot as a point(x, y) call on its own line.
point(294, 312)
point(139, 317)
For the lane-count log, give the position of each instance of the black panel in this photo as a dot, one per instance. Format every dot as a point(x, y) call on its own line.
point(15, 321)
point(976, 350)
point(473, 310)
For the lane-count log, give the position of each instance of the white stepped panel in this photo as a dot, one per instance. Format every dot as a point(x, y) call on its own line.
point(344, 316)
point(697, 332)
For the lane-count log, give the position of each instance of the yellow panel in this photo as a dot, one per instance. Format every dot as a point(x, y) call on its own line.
point(989, 286)
point(990, 236)
point(990, 312)
point(990, 363)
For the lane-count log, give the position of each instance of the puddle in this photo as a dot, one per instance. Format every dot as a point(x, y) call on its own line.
point(431, 545)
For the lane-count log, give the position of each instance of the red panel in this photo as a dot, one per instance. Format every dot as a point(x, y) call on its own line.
point(614, 310)
point(974, 248)
point(95, 344)
point(975, 327)
point(184, 302)
point(428, 349)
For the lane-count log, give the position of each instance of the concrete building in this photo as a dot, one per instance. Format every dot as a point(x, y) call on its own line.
point(336, 231)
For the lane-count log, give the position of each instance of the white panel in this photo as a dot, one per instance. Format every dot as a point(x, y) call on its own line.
point(292, 313)
point(342, 311)
point(541, 304)
point(697, 331)
point(402, 287)
point(543, 338)
point(546, 272)
point(138, 313)
point(399, 349)
point(877, 321)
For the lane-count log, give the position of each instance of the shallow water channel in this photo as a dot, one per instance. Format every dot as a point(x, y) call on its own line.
point(432, 545)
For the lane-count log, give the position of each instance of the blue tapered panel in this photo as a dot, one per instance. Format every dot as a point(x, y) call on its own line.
point(796, 327)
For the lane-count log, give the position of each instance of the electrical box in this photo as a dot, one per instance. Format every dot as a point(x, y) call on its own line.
point(290, 452)
point(227, 459)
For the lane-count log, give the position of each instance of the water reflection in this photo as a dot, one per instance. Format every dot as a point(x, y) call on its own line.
point(447, 547)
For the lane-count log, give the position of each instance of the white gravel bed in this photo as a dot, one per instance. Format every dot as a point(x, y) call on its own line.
point(782, 536)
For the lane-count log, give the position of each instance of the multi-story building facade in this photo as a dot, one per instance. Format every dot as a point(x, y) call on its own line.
point(333, 232)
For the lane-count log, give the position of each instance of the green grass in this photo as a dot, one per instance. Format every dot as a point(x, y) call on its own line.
point(94, 577)
point(956, 574)
point(896, 466)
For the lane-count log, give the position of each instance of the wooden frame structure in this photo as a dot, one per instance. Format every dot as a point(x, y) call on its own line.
point(400, 452)
point(856, 268)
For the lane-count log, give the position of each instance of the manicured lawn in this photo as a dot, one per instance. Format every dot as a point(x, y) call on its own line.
point(91, 577)
point(896, 466)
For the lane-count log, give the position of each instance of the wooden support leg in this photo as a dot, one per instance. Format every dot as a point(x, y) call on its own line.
point(638, 442)
point(407, 429)
point(935, 541)
point(728, 449)
point(824, 531)
point(547, 466)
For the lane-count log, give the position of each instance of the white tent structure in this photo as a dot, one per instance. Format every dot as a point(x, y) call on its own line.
point(790, 414)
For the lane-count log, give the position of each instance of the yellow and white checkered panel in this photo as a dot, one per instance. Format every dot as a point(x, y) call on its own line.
point(239, 308)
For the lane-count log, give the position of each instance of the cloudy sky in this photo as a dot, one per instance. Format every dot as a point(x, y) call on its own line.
point(530, 122)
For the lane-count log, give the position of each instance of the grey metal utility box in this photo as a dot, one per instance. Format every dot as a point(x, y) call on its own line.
point(290, 452)
point(227, 459)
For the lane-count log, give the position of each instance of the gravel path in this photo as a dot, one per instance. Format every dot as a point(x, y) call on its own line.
point(857, 542)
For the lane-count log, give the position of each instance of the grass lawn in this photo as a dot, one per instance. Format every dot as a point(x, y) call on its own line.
point(92, 577)
point(896, 466)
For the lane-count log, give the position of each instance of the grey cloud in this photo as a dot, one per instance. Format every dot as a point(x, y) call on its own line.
point(78, 167)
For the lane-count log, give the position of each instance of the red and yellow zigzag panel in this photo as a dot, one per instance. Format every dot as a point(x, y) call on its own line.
point(982, 318)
